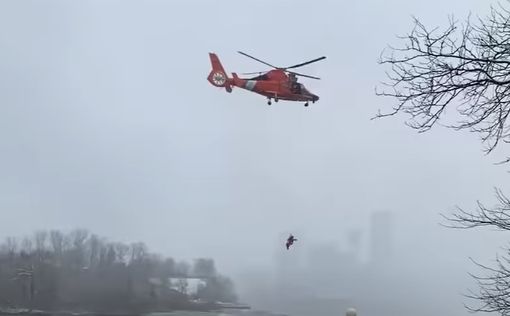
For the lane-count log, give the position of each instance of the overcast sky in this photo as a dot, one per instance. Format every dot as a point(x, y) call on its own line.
point(107, 122)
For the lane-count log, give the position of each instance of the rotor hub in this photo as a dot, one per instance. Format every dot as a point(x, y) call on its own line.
point(219, 78)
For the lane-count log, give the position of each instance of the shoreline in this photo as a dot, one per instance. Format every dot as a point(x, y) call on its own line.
point(200, 307)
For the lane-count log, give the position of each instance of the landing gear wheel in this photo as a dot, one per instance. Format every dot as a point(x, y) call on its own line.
point(306, 104)
point(269, 102)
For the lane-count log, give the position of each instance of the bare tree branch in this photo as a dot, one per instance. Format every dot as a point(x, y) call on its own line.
point(497, 216)
point(494, 289)
point(464, 66)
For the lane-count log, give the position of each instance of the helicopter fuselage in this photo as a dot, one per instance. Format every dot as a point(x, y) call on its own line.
point(277, 84)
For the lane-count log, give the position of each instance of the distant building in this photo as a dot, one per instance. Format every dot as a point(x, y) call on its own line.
point(381, 245)
point(186, 285)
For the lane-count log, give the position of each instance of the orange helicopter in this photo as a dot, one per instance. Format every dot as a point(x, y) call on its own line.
point(276, 84)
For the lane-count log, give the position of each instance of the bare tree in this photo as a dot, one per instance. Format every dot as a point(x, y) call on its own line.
point(78, 238)
point(464, 68)
point(40, 238)
point(57, 245)
point(138, 251)
point(27, 246)
point(11, 246)
point(494, 288)
point(57, 241)
point(94, 245)
point(122, 251)
point(497, 216)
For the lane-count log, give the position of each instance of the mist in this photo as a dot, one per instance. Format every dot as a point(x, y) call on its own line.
point(108, 123)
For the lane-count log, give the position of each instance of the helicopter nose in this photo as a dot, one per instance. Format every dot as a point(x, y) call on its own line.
point(315, 98)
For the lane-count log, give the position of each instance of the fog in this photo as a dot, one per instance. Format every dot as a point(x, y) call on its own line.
point(108, 123)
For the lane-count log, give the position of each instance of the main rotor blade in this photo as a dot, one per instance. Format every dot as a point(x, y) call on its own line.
point(253, 73)
point(303, 75)
point(308, 62)
point(260, 61)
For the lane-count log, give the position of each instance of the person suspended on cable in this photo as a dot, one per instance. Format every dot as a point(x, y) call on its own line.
point(290, 241)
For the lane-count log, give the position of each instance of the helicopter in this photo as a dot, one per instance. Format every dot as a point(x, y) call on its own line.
point(276, 84)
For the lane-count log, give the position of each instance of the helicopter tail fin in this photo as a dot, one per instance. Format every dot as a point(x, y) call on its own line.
point(218, 77)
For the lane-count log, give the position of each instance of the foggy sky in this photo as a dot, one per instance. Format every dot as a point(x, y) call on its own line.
point(107, 122)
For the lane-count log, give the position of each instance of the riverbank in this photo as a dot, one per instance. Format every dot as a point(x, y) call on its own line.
point(190, 307)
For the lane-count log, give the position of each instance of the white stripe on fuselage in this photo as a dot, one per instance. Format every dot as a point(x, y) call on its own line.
point(250, 84)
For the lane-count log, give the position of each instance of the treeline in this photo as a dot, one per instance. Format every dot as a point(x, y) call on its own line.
point(53, 270)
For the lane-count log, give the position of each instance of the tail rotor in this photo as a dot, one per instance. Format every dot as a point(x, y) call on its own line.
point(218, 77)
